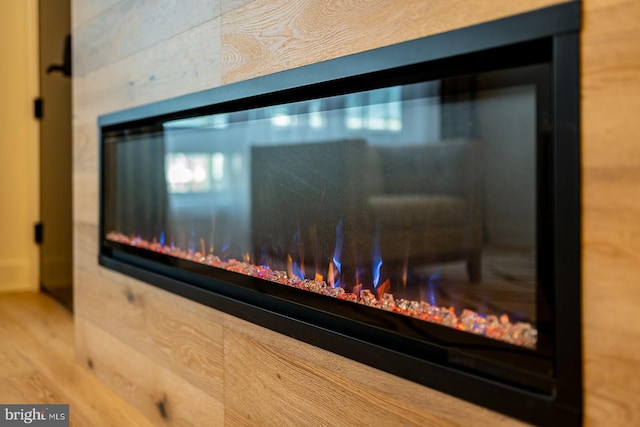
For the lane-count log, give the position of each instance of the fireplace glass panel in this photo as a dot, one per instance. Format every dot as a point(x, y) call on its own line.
point(416, 198)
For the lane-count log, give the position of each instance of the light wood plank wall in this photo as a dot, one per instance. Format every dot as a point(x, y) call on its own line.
point(185, 364)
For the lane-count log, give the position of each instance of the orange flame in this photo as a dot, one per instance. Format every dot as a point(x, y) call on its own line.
point(383, 288)
point(331, 275)
point(289, 266)
point(405, 268)
point(301, 253)
point(313, 235)
point(357, 288)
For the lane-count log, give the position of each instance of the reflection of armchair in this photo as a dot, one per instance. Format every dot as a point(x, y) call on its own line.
point(424, 203)
point(299, 195)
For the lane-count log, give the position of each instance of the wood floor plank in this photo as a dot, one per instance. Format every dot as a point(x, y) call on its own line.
point(38, 365)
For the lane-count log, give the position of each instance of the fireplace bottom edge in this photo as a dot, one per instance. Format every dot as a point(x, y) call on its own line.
point(529, 405)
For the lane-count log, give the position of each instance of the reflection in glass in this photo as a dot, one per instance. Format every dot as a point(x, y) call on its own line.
point(416, 198)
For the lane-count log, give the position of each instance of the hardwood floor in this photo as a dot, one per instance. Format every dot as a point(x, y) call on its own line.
point(37, 364)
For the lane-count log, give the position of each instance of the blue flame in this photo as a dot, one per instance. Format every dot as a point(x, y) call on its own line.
point(434, 282)
point(192, 241)
point(337, 252)
point(264, 258)
point(226, 246)
point(161, 238)
point(337, 282)
point(297, 271)
point(376, 259)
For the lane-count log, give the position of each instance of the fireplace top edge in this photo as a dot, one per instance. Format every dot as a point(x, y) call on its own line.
point(526, 27)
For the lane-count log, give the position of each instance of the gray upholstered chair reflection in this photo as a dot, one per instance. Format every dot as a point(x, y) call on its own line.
point(424, 203)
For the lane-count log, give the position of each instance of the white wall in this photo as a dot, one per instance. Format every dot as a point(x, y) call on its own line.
point(19, 141)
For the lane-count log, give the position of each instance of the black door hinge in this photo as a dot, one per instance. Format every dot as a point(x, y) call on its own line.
point(38, 233)
point(38, 108)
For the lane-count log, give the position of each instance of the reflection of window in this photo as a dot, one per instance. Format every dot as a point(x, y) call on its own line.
point(377, 110)
point(236, 163)
point(281, 116)
point(315, 114)
point(217, 167)
point(187, 173)
point(217, 121)
point(222, 167)
point(354, 111)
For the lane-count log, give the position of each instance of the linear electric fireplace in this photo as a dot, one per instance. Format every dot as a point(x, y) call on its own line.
point(415, 208)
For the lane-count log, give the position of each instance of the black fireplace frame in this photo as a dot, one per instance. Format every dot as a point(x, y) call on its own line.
point(556, 400)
